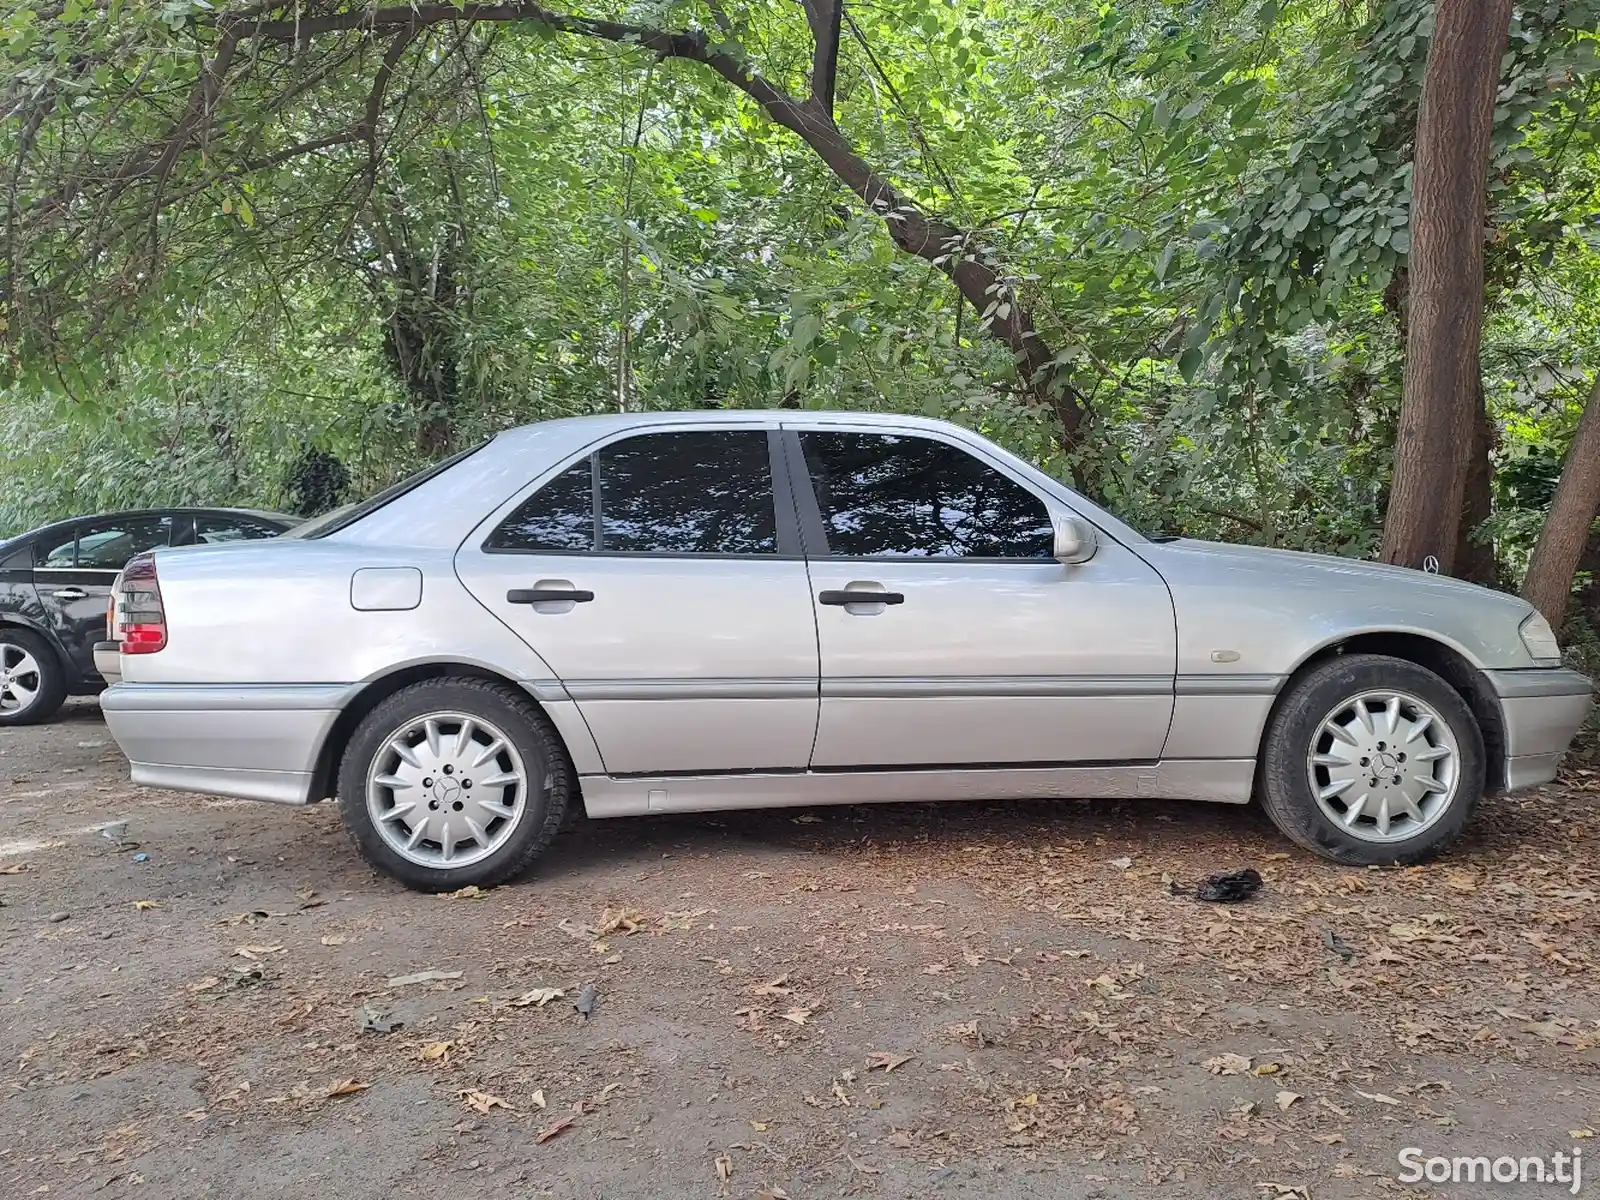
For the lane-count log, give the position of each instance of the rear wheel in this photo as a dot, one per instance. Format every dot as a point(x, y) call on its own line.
point(32, 682)
point(1372, 760)
point(451, 782)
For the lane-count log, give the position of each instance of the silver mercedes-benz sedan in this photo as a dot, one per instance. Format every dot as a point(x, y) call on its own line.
point(681, 612)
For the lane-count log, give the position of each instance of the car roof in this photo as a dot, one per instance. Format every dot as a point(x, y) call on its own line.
point(600, 423)
point(260, 514)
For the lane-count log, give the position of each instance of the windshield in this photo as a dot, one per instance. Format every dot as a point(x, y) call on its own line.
point(349, 514)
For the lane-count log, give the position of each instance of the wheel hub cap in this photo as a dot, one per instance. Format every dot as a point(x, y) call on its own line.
point(1384, 765)
point(19, 678)
point(447, 790)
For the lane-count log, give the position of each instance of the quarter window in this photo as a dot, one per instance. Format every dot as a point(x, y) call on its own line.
point(891, 496)
point(658, 493)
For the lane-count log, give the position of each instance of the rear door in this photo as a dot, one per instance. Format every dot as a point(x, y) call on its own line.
point(985, 650)
point(74, 576)
point(661, 579)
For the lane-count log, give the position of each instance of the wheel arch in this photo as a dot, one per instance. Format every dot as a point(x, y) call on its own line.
point(373, 692)
point(1434, 654)
point(73, 674)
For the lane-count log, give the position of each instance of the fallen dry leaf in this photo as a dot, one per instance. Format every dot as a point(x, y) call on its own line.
point(422, 977)
point(1228, 1064)
point(1380, 1097)
point(482, 1102)
point(14, 869)
point(471, 892)
point(888, 1060)
point(346, 1087)
point(1328, 1139)
point(1581, 1133)
point(776, 988)
point(144, 905)
point(333, 939)
point(538, 1098)
point(1285, 1100)
point(797, 1016)
point(724, 1165)
point(772, 1193)
point(760, 1126)
point(434, 1051)
point(254, 951)
point(556, 1130)
point(538, 997)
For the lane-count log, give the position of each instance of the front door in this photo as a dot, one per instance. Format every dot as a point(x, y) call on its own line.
point(662, 583)
point(984, 651)
point(75, 574)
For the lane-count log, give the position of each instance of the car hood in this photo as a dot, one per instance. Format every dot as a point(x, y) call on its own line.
point(1328, 567)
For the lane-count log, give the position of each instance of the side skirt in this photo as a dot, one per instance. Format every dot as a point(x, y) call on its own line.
point(1223, 781)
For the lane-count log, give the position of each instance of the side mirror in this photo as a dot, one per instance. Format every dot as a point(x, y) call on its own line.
point(1075, 539)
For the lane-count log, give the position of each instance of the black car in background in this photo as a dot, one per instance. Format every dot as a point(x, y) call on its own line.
point(55, 583)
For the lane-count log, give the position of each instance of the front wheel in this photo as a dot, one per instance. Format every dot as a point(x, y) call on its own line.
point(452, 782)
point(1372, 760)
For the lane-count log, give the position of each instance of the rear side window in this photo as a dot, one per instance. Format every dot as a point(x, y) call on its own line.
point(892, 496)
point(108, 545)
point(658, 493)
point(211, 530)
point(58, 549)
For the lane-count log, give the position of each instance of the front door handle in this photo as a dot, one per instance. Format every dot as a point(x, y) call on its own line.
point(70, 593)
point(548, 595)
point(847, 596)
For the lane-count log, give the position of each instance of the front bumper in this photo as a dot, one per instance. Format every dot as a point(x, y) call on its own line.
point(1542, 709)
point(257, 742)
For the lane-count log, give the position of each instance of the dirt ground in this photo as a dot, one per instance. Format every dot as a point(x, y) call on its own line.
point(904, 1001)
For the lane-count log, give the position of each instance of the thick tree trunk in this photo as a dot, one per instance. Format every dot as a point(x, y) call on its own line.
point(1475, 557)
point(1548, 586)
point(1445, 321)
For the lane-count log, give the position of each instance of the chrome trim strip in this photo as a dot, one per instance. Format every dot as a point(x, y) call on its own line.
point(224, 697)
point(691, 689)
point(921, 687)
point(1539, 681)
point(1231, 684)
point(547, 690)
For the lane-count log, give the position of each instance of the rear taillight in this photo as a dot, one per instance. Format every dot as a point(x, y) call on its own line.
point(139, 615)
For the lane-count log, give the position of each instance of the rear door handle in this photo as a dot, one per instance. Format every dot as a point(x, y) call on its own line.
point(548, 595)
point(863, 596)
point(70, 593)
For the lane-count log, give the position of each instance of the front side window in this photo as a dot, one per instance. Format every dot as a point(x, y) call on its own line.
point(657, 493)
point(108, 545)
point(893, 496)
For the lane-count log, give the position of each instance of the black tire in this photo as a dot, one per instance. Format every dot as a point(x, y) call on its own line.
point(1286, 789)
point(524, 726)
point(50, 680)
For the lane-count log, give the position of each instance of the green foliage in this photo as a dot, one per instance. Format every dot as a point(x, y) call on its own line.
point(1203, 205)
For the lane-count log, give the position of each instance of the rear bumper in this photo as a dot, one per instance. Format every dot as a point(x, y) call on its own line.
point(1542, 708)
point(108, 661)
point(252, 743)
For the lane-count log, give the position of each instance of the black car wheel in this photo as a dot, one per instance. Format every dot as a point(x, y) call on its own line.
point(32, 683)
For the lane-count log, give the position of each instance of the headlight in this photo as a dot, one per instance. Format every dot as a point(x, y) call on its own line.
point(1541, 642)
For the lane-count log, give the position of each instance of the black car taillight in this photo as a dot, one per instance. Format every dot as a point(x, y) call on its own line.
point(140, 615)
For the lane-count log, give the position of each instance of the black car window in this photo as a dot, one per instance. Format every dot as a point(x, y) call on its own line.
point(658, 493)
point(210, 530)
point(57, 549)
point(891, 496)
point(108, 545)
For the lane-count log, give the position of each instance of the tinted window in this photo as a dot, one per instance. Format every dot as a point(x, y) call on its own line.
point(660, 493)
point(559, 516)
point(688, 493)
point(56, 550)
point(210, 530)
point(910, 497)
point(108, 545)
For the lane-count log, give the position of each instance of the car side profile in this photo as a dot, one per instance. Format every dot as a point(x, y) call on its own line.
point(55, 582)
point(681, 612)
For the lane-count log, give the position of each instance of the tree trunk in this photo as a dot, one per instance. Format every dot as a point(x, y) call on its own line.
point(1475, 557)
point(1548, 586)
point(1445, 321)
